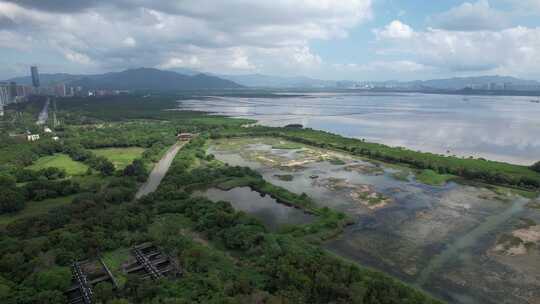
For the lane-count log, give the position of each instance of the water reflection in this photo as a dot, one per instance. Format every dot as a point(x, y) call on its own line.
point(499, 128)
point(263, 207)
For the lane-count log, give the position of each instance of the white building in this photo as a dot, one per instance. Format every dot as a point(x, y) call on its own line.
point(47, 130)
point(32, 137)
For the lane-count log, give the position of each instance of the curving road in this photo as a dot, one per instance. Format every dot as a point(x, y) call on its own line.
point(159, 171)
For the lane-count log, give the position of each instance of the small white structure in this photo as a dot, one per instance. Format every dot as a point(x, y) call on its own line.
point(32, 137)
point(56, 138)
point(47, 130)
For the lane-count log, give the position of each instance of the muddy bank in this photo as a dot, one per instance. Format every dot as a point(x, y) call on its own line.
point(441, 238)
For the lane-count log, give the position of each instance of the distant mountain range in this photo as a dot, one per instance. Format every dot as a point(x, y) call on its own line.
point(458, 83)
point(266, 81)
point(187, 79)
point(136, 79)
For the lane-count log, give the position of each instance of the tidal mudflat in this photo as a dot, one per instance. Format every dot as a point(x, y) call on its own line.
point(464, 244)
point(494, 127)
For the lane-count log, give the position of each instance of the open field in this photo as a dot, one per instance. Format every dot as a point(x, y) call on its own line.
point(61, 161)
point(120, 157)
point(36, 208)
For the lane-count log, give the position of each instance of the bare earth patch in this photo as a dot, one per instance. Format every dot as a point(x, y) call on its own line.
point(364, 169)
point(518, 242)
point(365, 195)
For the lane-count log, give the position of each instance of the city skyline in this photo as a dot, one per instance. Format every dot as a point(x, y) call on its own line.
point(350, 39)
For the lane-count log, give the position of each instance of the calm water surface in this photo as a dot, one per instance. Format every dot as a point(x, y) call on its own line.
point(499, 128)
point(273, 214)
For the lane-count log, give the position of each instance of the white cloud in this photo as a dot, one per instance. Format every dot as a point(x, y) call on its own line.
point(129, 42)
point(77, 57)
point(172, 63)
point(526, 7)
point(396, 66)
point(395, 30)
point(471, 17)
point(515, 50)
point(210, 35)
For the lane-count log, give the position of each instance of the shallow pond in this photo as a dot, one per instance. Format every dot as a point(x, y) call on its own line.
point(273, 214)
point(440, 238)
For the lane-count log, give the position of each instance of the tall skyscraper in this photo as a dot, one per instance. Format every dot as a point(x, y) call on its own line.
point(35, 76)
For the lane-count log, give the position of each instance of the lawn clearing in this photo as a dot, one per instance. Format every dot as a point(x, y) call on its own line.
point(61, 161)
point(120, 157)
point(36, 208)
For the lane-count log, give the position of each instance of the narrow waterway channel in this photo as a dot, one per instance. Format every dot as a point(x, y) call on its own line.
point(159, 171)
point(469, 240)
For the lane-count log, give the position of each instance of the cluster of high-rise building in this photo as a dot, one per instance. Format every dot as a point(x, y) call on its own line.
point(507, 86)
point(11, 92)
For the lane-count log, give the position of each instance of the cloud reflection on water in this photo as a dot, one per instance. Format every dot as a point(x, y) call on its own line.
point(499, 128)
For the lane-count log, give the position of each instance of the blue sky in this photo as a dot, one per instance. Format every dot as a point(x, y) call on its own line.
point(329, 39)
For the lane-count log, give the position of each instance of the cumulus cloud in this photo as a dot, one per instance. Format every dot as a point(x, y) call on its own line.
point(526, 7)
point(395, 30)
point(471, 17)
point(234, 35)
point(395, 66)
point(514, 50)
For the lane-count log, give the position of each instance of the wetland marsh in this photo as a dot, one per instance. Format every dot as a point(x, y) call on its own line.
point(465, 244)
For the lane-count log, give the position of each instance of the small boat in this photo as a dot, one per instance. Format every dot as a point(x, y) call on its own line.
point(535, 100)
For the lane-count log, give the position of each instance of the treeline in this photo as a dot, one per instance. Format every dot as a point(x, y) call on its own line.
point(478, 169)
point(13, 198)
point(99, 163)
point(28, 175)
point(288, 269)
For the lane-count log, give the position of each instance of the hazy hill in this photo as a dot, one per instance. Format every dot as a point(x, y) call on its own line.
point(458, 83)
point(47, 79)
point(153, 79)
point(463, 82)
point(186, 79)
point(136, 79)
point(267, 81)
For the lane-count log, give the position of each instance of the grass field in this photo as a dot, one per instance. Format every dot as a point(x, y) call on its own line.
point(61, 161)
point(35, 208)
point(120, 157)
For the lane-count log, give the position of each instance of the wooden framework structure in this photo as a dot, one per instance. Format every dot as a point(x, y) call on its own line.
point(151, 263)
point(81, 289)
